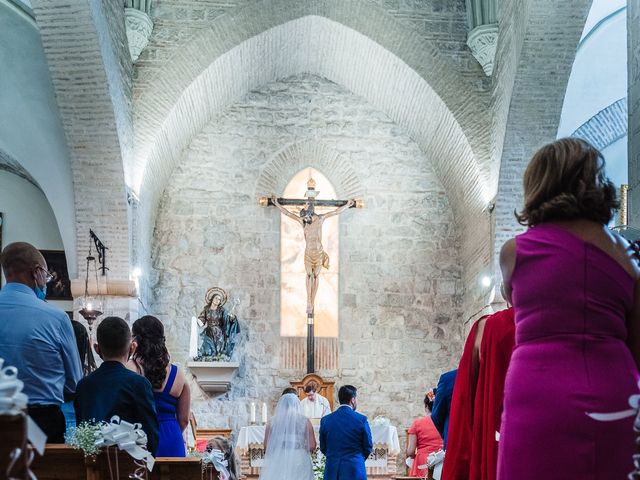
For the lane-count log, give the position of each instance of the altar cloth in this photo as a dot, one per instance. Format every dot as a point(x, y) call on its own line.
point(386, 435)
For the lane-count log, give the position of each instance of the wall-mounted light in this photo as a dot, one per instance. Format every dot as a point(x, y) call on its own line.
point(485, 281)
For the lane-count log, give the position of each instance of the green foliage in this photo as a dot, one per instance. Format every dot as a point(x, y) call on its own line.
point(84, 437)
point(220, 357)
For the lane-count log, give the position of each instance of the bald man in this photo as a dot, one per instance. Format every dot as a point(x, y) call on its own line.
point(37, 338)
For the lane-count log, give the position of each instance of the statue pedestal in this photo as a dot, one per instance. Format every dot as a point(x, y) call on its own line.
point(214, 377)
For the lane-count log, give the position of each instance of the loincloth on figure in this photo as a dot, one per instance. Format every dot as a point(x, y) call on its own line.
point(315, 260)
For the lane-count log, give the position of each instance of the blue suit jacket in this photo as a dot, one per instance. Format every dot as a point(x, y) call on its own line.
point(442, 403)
point(345, 439)
point(114, 390)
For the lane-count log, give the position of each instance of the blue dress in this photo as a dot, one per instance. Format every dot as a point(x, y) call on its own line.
point(171, 443)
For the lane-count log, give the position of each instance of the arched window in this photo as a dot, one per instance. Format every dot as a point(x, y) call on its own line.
point(293, 296)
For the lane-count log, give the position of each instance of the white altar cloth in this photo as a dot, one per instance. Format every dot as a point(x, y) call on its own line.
point(380, 434)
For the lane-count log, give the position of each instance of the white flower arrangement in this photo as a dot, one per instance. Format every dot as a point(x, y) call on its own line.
point(84, 437)
point(92, 437)
point(319, 461)
point(381, 421)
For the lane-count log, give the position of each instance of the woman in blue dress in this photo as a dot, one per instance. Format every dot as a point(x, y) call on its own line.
point(171, 391)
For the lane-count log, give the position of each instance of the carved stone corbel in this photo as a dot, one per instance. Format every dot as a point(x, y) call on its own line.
point(483, 42)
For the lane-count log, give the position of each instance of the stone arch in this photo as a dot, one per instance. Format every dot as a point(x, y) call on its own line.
point(94, 108)
point(309, 153)
point(159, 94)
point(9, 164)
point(606, 126)
point(344, 56)
point(540, 84)
point(42, 157)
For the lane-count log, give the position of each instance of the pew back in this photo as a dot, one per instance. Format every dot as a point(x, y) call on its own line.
point(61, 462)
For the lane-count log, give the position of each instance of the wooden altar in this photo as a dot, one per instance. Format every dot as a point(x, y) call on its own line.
point(323, 387)
point(381, 464)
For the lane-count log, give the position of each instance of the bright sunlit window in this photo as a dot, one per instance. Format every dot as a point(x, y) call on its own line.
point(293, 293)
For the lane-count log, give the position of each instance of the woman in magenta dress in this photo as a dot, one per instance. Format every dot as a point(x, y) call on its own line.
point(572, 283)
point(170, 389)
point(424, 438)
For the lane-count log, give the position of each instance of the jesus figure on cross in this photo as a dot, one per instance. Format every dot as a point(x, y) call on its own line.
point(314, 255)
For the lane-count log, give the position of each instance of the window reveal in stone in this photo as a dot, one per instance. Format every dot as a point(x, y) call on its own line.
point(293, 296)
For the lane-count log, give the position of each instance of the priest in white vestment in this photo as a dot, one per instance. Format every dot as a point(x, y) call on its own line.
point(314, 405)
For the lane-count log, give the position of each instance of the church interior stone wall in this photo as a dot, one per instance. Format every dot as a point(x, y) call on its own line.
point(164, 157)
point(400, 276)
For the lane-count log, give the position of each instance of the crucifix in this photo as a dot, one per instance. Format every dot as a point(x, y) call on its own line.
point(315, 258)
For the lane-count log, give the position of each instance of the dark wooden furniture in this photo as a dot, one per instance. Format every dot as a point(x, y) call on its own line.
point(323, 387)
point(14, 442)
point(62, 462)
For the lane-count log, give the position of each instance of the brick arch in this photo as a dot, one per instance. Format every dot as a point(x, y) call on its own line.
point(277, 173)
point(323, 47)
point(11, 165)
point(540, 83)
point(605, 127)
point(158, 95)
point(94, 109)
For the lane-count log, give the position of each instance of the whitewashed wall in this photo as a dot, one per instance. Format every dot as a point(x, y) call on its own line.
point(27, 217)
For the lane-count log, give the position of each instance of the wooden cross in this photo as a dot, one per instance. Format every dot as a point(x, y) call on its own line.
point(315, 257)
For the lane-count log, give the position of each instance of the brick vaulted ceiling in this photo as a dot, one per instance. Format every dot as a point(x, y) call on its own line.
point(350, 42)
point(414, 66)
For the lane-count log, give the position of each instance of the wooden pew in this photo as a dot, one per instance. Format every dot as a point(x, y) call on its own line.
point(14, 436)
point(61, 462)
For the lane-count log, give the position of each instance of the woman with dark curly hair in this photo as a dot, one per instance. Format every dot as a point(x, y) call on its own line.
point(171, 391)
point(424, 438)
point(574, 286)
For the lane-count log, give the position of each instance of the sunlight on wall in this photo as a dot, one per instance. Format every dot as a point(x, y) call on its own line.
point(293, 293)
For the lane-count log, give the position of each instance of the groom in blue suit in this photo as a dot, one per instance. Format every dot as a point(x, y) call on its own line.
point(345, 439)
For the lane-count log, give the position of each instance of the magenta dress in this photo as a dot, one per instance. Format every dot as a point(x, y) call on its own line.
point(571, 299)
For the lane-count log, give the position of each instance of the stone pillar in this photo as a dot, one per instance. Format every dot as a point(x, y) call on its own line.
point(483, 32)
point(633, 62)
point(139, 25)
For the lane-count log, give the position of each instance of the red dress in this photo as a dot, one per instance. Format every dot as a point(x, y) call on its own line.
point(429, 440)
point(476, 407)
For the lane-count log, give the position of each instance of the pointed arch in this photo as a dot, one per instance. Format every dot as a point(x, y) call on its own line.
point(309, 153)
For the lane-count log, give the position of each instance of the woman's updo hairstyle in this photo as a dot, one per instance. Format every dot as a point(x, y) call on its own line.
point(429, 398)
point(151, 354)
point(565, 180)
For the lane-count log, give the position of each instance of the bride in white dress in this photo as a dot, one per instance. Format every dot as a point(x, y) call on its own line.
point(289, 441)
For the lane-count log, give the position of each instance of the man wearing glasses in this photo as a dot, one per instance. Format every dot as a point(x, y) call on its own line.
point(37, 338)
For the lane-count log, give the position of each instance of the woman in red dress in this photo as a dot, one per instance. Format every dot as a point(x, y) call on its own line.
point(423, 438)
